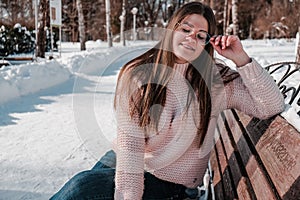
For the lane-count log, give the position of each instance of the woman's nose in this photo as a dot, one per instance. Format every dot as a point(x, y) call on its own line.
point(191, 35)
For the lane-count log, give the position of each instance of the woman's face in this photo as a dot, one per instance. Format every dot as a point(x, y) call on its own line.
point(187, 45)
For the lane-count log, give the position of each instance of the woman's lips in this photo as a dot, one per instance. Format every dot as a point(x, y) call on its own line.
point(189, 47)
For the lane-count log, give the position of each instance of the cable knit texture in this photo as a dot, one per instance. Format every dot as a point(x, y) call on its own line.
point(172, 153)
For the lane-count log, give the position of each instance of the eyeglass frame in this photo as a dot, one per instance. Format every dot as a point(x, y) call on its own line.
point(201, 31)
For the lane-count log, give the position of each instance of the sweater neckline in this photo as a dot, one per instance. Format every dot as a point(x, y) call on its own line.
point(181, 67)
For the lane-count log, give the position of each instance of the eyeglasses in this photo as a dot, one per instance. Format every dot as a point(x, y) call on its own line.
point(202, 36)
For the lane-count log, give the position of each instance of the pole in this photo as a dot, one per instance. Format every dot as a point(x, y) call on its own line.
point(134, 27)
point(36, 27)
point(123, 22)
point(134, 12)
point(60, 41)
point(122, 38)
point(107, 9)
point(51, 35)
point(51, 31)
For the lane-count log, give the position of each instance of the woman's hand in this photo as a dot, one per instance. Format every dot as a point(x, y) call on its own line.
point(230, 47)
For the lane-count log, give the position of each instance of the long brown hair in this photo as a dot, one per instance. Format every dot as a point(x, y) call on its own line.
point(155, 74)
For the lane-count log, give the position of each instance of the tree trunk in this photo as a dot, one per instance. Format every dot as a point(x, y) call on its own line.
point(235, 17)
point(108, 31)
point(81, 27)
point(212, 4)
point(225, 16)
point(298, 47)
point(41, 34)
point(122, 35)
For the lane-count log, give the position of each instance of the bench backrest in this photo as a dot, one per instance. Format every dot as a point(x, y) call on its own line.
point(259, 159)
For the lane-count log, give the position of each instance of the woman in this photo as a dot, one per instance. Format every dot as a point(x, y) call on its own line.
point(167, 103)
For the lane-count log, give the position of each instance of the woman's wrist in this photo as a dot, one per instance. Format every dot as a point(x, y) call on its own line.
point(242, 59)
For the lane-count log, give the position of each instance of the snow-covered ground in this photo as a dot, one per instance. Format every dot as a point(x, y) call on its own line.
point(56, 117)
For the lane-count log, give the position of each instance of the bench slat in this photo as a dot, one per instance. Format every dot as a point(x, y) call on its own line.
point(279, 150)
point(254, 171)
point(217, 179)
point(239, 175)
point(229, 191)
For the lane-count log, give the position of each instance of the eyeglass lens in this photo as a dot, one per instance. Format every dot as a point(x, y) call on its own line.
point(202, 36)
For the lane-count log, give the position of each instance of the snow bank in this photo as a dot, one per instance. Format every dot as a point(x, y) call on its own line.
point(97, 61)
point(20, 80)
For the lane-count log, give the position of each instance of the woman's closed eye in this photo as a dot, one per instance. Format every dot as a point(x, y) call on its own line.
point(201, 35)
point(185, 30)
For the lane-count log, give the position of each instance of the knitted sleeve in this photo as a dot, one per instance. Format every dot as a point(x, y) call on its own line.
point(130, 147)
point(254, 92)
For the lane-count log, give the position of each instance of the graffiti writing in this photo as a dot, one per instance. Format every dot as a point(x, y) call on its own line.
point(291, 70)
point(280, 151)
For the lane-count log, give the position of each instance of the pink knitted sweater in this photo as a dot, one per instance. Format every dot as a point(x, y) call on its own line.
point(173, 153)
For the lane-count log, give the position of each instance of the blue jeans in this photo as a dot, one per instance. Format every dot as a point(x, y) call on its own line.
point(98, 183)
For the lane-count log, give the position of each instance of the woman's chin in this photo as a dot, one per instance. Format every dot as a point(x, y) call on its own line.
point(184, 59)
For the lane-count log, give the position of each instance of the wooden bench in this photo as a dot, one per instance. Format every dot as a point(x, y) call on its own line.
point(18, 58)
point(259, 159)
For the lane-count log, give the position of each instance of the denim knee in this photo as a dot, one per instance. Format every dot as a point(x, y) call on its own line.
point(71, 190)
point(88, 185)
point(106, 161)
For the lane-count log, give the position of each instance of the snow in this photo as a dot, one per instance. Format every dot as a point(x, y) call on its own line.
point(57, 115)
point(291, 115)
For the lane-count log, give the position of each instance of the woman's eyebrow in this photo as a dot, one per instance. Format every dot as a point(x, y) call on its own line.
point(189, 24)
point(192, 26)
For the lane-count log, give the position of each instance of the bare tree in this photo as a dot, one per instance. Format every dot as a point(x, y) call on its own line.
point(123, 18)
point(69, 20)
point(234, 10)
point(108, 31)
point(17, 11)
point(261, 17)
point(212, 4)
point(152, 9)
point(94, 20)
point(81, 26)
point(41, 34)
point(225, 16)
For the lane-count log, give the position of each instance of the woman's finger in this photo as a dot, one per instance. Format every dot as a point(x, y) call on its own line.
point(231, 39)
point(216, 43)
point(224, 41)
point(216, 40)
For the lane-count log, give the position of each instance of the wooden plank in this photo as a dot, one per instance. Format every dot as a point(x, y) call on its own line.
point(217, 179)
point(271, 161)
point(243, 190)
point(254, 126)
point(254, 171)
point(241, 144)
point(229, 191)
point(294, 191)
point(259, 182)
point(239, 175)
point(279, 150)
point(18, 58)
point(245, 119)
point(229, 149)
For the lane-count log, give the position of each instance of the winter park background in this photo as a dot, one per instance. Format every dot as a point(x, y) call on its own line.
point(56, 116)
